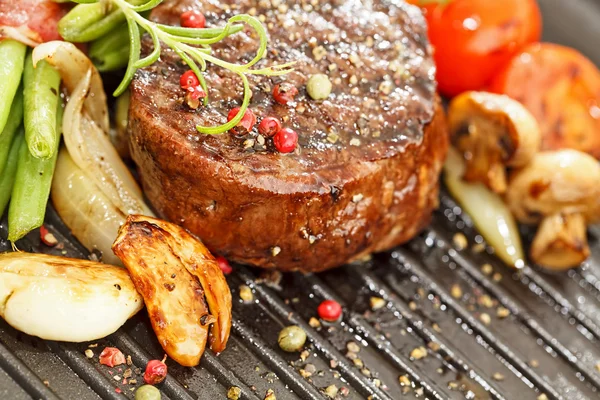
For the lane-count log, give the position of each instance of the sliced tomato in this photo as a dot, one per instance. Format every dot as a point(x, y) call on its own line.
point(473, 39)
point(37, 19)
point(561, 88)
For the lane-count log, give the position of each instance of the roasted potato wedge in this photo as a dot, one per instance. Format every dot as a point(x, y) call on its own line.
point(561, 88)
point(58, 298)
point(183, 287)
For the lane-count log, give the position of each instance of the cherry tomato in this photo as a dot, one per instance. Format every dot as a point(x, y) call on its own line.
point(561, 88)
point(473, 39)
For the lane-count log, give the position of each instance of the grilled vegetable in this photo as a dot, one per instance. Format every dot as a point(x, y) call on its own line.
point(12, 58)
point(58, 298)
point(474, 38)
point(493, 132)
point(488, 211)
point(560, 190)
point(7, 177)
point(111, 51)
point(86, 127)
point(31, 188)
point(15, 120)
point(88, 213)
point(87, 22)
point(561, 88)
point(183, 287)
point(41, 85)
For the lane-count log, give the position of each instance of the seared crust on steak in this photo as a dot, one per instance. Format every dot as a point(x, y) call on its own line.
point(330, 201)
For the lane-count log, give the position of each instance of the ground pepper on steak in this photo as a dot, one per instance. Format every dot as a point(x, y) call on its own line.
point(364, 175)
point(357, 46)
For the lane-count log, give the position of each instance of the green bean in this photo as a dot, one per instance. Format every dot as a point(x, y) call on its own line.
point(15, 118)
point(87, 22)
point(12, 57)
point(41, 87)
point(7, 177)
point(31, 188)
point(111, 51)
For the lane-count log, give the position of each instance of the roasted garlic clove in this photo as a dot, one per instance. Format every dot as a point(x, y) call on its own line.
point(58, 298)
point(559, 189)
point(183, 287)
point(492, 132)
point(560, 242)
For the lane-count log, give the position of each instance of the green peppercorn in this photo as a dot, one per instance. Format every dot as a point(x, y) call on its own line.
point(318, 86)
point(147, 392)
point(291, 338)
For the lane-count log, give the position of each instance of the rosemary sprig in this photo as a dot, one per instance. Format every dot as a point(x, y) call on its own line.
point(182, 41)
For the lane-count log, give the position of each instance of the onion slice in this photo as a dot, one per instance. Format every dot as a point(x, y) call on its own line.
point(488, 211)
point(90, 215)
point(20, 34)
point(85, 127)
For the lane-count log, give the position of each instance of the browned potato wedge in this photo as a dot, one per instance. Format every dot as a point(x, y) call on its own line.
point(182, 285)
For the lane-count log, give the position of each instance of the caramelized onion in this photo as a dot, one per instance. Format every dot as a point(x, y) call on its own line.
point(20, 34)
point(90, 215)
point(85, 127)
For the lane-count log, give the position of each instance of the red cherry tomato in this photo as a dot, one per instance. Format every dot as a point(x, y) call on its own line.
point(473, 39)
point(329, 310)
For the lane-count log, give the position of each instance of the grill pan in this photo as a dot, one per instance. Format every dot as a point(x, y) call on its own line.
point(509, 335)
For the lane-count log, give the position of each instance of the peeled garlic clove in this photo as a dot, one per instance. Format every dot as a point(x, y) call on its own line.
point(58, 298)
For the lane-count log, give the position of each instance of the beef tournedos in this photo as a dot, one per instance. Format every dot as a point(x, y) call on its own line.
point(364, 177)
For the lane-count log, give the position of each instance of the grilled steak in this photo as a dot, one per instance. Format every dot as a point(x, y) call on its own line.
point(364, 177)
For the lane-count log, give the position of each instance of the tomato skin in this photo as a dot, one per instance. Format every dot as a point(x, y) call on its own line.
point(473, 39)
point(561, 88)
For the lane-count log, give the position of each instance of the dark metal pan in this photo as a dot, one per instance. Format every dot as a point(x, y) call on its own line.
point(510, 335)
